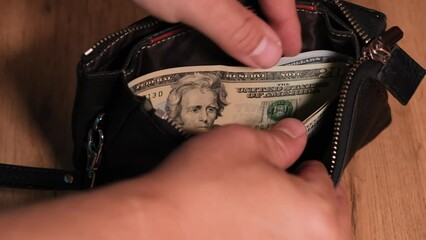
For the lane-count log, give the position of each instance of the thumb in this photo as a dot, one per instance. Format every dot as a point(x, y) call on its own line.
point(236, 30)
point(282, 17)
point(285, 142)
point(281, 146)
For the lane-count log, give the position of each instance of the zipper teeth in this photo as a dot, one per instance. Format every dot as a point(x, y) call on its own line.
point(339, 112)
point(347, 82)
point(161, 114)
point(352, 20)
point(133, 28)
point(124, 31)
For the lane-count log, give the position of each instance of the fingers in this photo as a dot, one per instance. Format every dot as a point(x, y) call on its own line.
point(280, 146)
point(282, 16)
point(315, 173)
point(334, 201)
point(285, 142)
point(236, 30)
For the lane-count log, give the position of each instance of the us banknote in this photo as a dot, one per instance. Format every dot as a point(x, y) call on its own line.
point(200, 98)
point(318, 56)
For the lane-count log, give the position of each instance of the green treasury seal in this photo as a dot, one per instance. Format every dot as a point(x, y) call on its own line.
point(280, 109)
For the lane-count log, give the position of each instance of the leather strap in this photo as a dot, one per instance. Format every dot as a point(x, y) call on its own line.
point(14, 176)
point(401, 75)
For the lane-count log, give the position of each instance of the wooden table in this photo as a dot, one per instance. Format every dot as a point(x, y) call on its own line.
point(41, 41)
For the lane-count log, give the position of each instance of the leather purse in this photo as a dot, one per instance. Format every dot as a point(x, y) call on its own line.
point(119, 135)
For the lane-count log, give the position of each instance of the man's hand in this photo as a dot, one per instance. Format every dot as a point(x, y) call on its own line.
point(231, 183)
point(235, 29)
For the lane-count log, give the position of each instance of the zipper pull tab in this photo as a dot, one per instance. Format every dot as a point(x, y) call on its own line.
point(95, 143)
point(380, 49)
point(391, 36)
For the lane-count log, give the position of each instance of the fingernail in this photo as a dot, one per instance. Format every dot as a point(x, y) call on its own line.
point(267, 53)
point(292, 128)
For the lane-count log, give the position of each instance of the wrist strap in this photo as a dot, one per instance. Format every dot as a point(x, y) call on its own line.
point(401, 75)
point(14, 176)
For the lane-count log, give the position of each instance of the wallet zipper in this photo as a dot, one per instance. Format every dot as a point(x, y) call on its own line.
point(111, 37)
point(133, 28)
point(148, 107)
point(353, 22)
point(162, 115)
point(378, 49)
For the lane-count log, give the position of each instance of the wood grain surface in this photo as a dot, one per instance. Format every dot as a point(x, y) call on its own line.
point(42, 40)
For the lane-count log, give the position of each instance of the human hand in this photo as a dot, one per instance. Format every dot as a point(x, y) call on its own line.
point(235, 29)
point(230, 183)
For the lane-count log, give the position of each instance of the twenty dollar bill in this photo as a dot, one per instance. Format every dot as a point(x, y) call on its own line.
point(202, 97)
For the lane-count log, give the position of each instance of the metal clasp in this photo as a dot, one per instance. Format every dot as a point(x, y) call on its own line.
point(380, 49)
point(95, 142)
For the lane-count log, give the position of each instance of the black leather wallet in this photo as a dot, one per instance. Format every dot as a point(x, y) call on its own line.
point(118, 134)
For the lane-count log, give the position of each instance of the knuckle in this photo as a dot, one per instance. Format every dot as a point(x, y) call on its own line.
point(281, 149)
point(246, 35)
point(282, 152)
point(246, 138)
point(323, 220)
